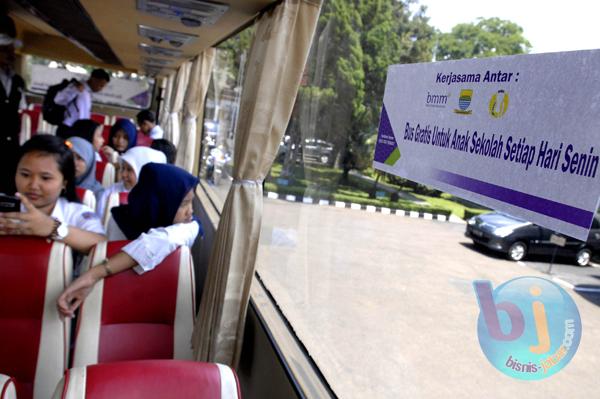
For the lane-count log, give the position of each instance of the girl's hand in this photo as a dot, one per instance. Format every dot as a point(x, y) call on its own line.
point(32, 223)
point(108, 152)
point(77, 291)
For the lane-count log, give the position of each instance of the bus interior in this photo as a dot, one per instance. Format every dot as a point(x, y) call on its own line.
point(303, 293)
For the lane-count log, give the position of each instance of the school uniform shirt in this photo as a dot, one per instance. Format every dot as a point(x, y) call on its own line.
point(156, 133)
point(115, 188)
point(76, 215)
point(78, 103)
point(151, 248)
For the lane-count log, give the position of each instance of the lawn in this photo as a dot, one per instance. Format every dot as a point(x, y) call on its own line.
point(321, 182)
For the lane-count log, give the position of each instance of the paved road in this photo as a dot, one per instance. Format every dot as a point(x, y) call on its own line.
point(385, 305)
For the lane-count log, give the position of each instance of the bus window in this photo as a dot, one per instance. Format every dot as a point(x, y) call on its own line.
point(221, 113)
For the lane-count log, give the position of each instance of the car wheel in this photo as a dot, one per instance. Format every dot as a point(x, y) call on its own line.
point(517, 251)
point(583, 257)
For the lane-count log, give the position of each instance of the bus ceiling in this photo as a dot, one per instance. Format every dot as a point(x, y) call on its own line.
point(145, 36)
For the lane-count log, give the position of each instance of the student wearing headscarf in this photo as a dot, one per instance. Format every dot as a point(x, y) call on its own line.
point(131, 164)
point(85, 165)
point(159, 218)
point(91, 131)
point(123, 136)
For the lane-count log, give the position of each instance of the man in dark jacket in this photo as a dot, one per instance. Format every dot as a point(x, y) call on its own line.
point(12, 98)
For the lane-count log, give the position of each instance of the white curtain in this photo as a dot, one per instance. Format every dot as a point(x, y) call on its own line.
point(274, 69)
point(172, 127)
point(193, 110)
point(166, 100)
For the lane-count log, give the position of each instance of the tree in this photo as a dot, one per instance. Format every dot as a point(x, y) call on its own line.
point(485, 38)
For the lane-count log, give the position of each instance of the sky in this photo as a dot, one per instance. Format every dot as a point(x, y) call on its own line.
point(548, 25)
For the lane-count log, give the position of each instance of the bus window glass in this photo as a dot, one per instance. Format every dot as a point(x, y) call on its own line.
point(221, 114)
point(374, 272)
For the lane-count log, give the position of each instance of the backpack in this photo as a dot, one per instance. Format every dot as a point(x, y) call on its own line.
point(54, 113)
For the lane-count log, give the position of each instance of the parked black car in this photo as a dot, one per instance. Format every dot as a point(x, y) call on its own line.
point(518, 238)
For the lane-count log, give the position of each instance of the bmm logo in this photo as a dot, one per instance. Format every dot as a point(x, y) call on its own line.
point(464, 101)
point(437, 100)
point(529, 328)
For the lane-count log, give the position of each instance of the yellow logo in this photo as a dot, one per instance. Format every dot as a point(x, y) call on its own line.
point(498, 104)
point(464, 101)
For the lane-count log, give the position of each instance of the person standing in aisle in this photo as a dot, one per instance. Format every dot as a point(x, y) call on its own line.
point(12, 99)
point(77, 99)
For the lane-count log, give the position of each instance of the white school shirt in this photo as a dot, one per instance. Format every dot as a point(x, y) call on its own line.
point(77, 215)
point(151, 248)
point(115, 188)
point(156, 133)
point(6, 79)
point(78, 109)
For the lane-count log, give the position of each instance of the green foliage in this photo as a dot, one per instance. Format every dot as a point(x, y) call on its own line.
point(485, 38)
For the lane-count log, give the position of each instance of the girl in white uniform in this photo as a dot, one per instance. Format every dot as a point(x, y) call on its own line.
point(159, 217)
point(45, 181)
point(131, 163)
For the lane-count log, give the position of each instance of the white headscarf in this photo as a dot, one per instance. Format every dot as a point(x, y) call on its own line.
point(137, 157)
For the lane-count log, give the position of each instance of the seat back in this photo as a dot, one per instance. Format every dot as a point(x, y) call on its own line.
point(143, 140)
point(105, 173)
point(132, 317)
point(150, 379)
point(33, 338)
point(86, 197)
point(29, 124)
point(114, 199)
point(99, 118)
point(8, 389)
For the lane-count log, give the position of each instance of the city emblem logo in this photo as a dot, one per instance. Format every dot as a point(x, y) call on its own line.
point(529, 327)
point(498, 104)
point(464, 101)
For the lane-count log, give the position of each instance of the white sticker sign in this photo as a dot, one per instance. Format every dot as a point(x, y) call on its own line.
point(519, 134)
point(120, 92)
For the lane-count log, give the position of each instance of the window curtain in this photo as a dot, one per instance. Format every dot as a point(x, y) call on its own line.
point(177, 95)
point(276, 62)
point(193, 109)
point(163, 113)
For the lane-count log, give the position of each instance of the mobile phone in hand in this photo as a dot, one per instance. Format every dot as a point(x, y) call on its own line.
point(8, 203)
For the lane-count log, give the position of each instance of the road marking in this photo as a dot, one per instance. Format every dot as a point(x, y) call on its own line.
point(371, 208)
point(521, 263)
point(354, 206)
point(307, 200)
point(414, 214)
point(427, 216)
point(400, 212)
point(340, 204)
point(563, 282)
point(587, 289)
point(386, 211)
point(323, 202)
point(441, 217)
point(291, 198)
point(272, 195)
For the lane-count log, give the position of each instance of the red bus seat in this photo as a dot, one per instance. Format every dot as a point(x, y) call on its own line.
point(105, 173)
point(33, 338)
point(29, 124)
point(86, 197)
point(114, 199)
point(7, 387)
point(143, 140)
point(150, 379)
point(134, 317)
point(99, 118)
